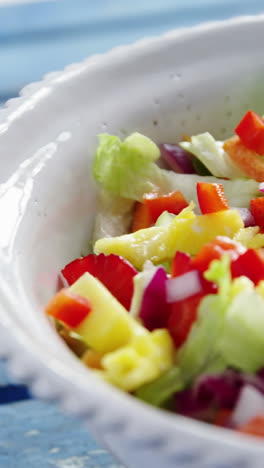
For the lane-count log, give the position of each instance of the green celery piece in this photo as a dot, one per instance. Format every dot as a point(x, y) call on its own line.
point(159, 391)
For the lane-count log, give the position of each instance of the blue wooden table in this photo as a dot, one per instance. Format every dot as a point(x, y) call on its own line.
point(35, 39)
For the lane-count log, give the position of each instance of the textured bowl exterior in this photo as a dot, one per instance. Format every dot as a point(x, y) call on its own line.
point(189, 80)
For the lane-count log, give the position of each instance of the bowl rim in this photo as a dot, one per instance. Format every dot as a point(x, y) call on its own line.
point(20, 347)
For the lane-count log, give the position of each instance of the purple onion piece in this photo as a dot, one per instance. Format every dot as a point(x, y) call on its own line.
point(212, 392)
point(183, 286)
point(177, 158)
point(154, 311)
point(247, 216)
point(249, 405)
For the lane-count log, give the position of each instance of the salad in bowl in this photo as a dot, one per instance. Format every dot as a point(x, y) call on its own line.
point(169, 303)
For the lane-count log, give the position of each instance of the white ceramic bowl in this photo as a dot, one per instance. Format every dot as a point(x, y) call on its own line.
point(186, 81)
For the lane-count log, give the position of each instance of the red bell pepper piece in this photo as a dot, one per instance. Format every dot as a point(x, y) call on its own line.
point(173, 202)
point(181, 263)
point(251, 132)
point(183, 315)
point(141, 218)
point(211, 197)
point(69, 308)
point(257, 210)
point(215, 250)
point(254, 427)
point(250, 264)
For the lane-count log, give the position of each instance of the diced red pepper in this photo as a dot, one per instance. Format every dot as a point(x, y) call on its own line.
point(211, 197)
point(141, 218)
point(250, 264)
point(215, 250)
point(113, 271)
point(254, 427)
point(257, 210)
point(69, 308)
point(173, 202)
point(183, 315)
point(181, 263)
point(251, 132)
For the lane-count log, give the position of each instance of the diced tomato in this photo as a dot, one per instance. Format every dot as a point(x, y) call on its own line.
point(173, 202)
point(214, 250)
point(141, 218)
point(250, 264)
point(254, 427)
point(222, 417)
point(113, 271)
point(69, 308)
point(251, 132)
point(183, 315)
point(181, 263)
point(211, 197)
point(257, 210)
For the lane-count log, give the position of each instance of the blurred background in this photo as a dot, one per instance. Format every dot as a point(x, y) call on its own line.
point(40, 36)
point(37, 37)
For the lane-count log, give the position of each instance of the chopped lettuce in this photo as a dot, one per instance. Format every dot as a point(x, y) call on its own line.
point(219, 273)
point(127, 169)
point(229, 328)
point(238, 192)
point(159, 391)
point(114, 216)
point(211, 153)
point(242, 343)
point(199, 354)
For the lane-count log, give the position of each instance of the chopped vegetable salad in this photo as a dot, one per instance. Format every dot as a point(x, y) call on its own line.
point(169, 306)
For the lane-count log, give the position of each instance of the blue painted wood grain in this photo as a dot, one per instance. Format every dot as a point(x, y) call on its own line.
point(34, 434)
